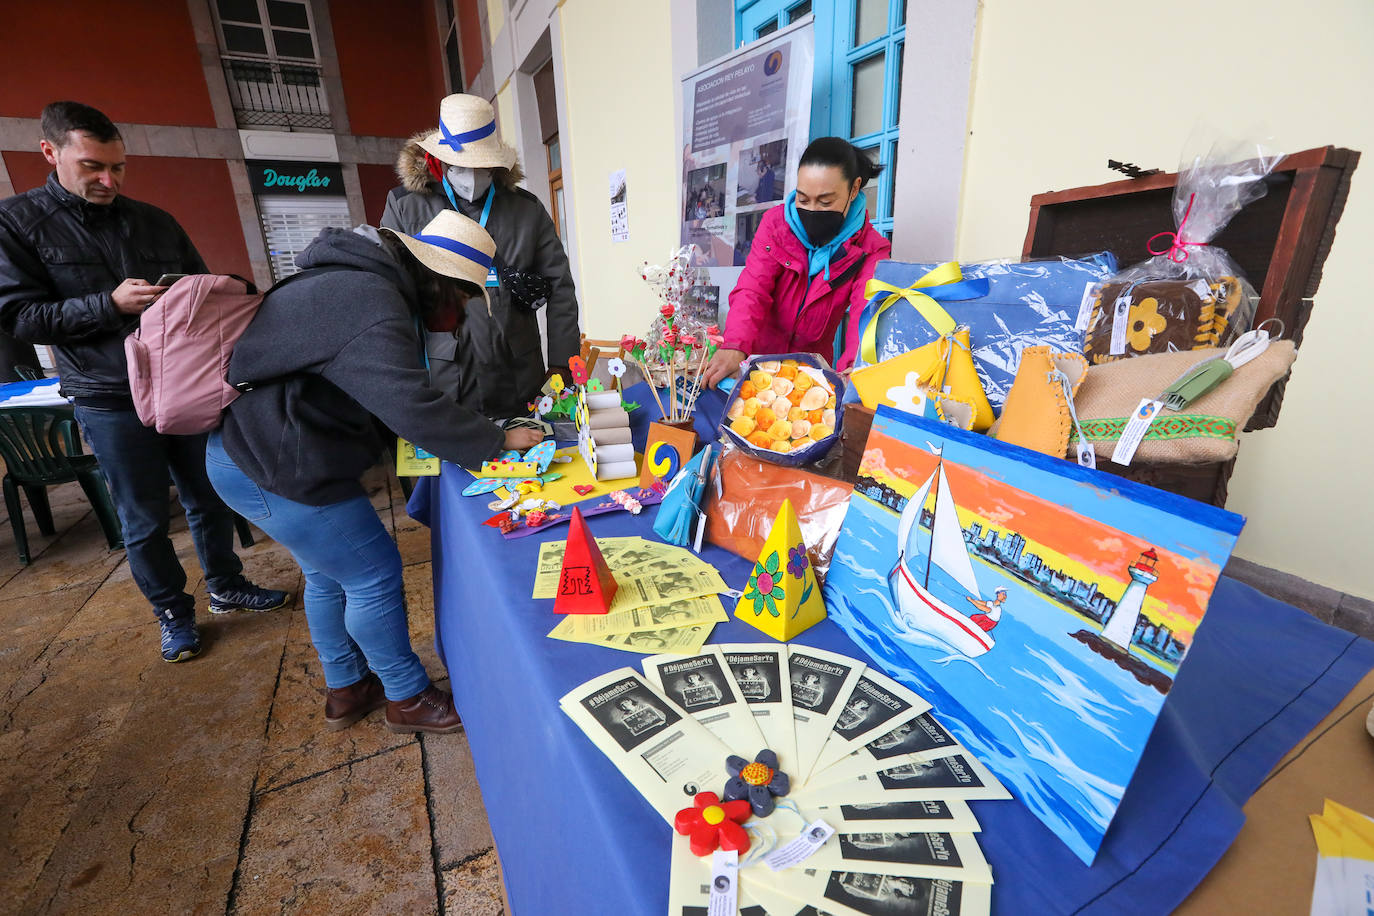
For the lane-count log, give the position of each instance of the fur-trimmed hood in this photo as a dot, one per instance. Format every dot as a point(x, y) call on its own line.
point(410, 168)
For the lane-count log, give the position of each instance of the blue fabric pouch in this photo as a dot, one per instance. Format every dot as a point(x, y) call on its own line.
point(1028, 304)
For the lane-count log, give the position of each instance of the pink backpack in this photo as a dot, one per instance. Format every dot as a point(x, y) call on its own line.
point(179, 356)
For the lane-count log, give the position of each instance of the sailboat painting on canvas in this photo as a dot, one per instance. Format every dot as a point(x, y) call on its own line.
point(1049, 605)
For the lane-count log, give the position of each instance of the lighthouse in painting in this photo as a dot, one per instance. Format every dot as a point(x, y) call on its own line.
point(1120, 627)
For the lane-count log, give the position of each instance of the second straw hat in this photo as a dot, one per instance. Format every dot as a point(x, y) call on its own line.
point(466, 135)
point(452, 245)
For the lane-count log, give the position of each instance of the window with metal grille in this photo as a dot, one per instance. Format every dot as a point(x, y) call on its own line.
point(289, 224)
point(269, 52)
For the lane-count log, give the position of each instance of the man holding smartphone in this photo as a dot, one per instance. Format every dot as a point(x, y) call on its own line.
point(77, 267)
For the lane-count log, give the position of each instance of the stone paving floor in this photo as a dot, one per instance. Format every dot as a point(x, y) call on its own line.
point(128, 785)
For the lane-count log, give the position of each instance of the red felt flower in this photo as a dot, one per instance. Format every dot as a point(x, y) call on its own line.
point(712, 824)
point(628, 343)
point(579, 370)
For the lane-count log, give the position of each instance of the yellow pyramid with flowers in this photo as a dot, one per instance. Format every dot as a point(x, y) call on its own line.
point(782, 597)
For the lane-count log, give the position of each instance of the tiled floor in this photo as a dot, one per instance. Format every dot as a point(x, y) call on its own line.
point(128, 785)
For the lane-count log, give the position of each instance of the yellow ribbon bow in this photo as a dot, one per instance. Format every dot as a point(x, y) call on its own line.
point(929, 309)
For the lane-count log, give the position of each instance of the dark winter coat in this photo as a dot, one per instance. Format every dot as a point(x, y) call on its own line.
point(351, 335)
point(498, 362)
point(61, 258)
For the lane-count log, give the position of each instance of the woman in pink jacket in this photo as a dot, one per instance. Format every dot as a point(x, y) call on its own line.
point(808, 265)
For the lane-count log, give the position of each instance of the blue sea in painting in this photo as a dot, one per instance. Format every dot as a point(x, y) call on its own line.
point(1055, 719)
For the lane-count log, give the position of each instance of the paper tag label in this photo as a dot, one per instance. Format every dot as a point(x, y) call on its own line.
point(1121, 320)
point(701, 531)
point(1135, 430)
point(492, 279)
point(799, 850)
point(724, 884)
point(733, 593)
point(414, 462)
point(1085, 306)
point(1087, 456)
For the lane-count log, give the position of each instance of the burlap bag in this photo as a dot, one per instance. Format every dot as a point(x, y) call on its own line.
point(1203, 432)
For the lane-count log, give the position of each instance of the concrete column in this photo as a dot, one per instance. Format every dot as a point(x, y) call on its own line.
point(250, 222)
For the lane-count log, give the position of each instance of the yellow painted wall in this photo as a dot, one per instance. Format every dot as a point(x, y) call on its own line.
point(505, 112)
point(619, 116)
point(496, 17)
point(1061, 85)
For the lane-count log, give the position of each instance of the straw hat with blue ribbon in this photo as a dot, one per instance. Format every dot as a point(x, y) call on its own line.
point(467, 135)
point(454, 246)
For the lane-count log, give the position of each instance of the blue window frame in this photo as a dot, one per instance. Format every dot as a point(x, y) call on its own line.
point(858, 75)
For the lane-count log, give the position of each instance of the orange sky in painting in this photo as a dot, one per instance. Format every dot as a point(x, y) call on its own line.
point(1064, 539)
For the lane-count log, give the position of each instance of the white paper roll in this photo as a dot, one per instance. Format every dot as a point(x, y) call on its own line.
point(616, 470)
point(613, 453)
point(601, 400)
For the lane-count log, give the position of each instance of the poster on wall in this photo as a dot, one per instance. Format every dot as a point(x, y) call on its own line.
point(620, 218)
point(746, 121)
point(1044, 608)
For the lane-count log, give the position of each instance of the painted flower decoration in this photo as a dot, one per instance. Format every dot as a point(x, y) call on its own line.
point(758, 782)
point(764, 587)
point(578, 366)
point(796, 561)
point(615, 366)
point(1146, 322)
point(545, 405)
point(712, 824)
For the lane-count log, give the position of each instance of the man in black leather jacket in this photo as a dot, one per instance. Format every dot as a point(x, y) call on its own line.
point(78, 265)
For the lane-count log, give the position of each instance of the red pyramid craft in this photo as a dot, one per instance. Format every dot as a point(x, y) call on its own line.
point(585, 585)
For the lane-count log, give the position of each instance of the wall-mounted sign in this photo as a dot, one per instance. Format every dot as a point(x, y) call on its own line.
point(273, 176)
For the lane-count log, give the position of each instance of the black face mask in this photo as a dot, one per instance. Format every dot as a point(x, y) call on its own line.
point(821, 225)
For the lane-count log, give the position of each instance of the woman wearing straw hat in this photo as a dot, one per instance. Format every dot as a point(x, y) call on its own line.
point(497, 366)
point(338, 346)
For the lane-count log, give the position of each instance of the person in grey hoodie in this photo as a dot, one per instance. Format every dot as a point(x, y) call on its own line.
point(325, 354)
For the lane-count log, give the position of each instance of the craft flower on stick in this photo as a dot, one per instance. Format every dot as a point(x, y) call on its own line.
point(711, 824)
point(545, 405)
point(616, 367)
point(578, 366)
point(758, 782)
point(764, 587)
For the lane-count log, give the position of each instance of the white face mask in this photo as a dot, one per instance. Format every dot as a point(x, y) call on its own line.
point(467, 183)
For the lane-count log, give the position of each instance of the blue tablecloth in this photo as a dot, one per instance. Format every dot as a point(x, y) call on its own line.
point(571, 829)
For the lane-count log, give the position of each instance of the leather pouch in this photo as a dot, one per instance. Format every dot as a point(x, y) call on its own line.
point(942, 367)
point(1037, 414)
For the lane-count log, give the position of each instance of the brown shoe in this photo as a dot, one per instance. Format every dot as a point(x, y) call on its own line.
point(431, 710)
point(345, 705)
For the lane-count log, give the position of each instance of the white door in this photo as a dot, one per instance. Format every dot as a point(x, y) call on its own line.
point(290, 223)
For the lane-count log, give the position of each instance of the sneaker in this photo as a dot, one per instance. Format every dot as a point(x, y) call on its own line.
point(180, 639)
point(245, 596)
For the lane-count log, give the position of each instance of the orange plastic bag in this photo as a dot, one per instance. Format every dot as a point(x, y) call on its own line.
point(740, 513)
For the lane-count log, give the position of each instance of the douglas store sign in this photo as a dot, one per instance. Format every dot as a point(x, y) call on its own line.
point(271, 176)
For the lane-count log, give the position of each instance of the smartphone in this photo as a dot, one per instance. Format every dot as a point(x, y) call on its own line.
point(169, 279)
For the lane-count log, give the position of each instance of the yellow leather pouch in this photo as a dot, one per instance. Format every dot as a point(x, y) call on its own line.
point(942, 367)
point(1036, 413)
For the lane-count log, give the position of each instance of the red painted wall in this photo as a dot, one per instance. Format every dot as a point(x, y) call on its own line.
point(472, 44)
point(136, 60)
point(195, 191)
point(377, 181)
point(386, 54)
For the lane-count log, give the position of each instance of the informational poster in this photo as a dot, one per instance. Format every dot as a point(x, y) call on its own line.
point(620, 219)
point(746, 120)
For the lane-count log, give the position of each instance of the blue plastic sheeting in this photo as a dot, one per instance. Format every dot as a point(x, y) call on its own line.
point(1027, 304)
point(571, 829)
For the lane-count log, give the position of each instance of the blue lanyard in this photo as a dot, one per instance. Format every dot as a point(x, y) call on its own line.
point(486, 207)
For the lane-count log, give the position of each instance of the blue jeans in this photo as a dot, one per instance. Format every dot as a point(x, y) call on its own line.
point(354, 596)
point(137, 462)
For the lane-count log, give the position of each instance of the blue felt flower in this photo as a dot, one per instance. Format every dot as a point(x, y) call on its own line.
point(758, 782)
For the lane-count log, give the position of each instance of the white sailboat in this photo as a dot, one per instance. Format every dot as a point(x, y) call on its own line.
point(919, 608)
